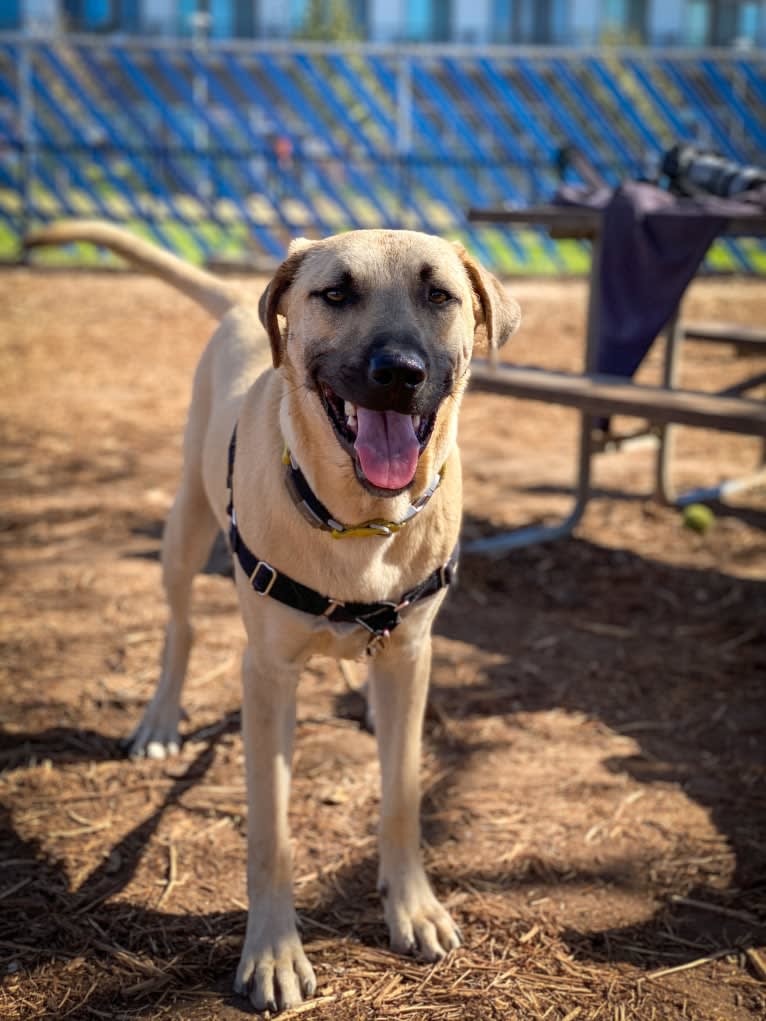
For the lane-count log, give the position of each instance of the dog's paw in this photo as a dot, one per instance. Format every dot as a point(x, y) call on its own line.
point(154, 739)
point(417, 922)
point(275, 973)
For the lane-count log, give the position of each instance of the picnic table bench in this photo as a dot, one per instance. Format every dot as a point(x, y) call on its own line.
point(598, 397)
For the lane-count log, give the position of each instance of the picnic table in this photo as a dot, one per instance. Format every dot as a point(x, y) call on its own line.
point(599, 396)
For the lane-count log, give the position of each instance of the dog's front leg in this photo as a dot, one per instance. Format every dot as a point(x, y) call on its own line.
point(273, 967)
point(398, 687)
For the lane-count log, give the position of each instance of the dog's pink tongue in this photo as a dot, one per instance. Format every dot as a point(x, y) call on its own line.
point(387, 447)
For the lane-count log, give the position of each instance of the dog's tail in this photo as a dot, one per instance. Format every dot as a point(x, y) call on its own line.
point(204, 288)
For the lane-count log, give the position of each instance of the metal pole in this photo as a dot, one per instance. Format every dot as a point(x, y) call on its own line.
point(200, 23)
point(403, 132)
point(663, 486)
point(28, 140)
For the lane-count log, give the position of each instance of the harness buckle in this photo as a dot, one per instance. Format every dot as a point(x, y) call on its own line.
point(382, 620)
point(269, 584)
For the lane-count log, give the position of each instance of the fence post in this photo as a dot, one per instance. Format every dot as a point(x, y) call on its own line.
point(28, 140)
point(403, 131)
point(201, 22)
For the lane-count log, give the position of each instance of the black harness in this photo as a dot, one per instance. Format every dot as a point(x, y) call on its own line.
point(379, 619)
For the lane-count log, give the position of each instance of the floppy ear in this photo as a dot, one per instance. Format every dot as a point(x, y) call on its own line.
point(269, 306)
point(497, 314)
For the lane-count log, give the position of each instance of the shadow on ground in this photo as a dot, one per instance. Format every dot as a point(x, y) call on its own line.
point(674, 657)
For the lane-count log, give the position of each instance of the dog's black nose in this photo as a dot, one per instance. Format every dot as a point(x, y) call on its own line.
point(397, 371)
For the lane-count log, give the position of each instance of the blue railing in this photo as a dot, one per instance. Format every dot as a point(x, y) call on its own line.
point(225, 151)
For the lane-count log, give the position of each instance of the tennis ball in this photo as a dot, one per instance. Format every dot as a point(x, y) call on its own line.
point(698, 517)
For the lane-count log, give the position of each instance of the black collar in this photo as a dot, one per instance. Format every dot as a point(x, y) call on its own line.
point(379, 619)
point(315, 512)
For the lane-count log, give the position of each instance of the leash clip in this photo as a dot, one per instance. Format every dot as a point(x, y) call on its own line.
point(387, 615)
point(377, 642)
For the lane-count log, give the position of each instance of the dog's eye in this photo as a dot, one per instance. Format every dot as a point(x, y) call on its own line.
point(437, 296)
point(334, 295)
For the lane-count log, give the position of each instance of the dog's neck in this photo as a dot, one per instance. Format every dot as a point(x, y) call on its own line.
point(319, 516)
point(336, 485)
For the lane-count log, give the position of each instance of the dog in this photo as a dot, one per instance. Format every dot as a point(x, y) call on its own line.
point(322, 438)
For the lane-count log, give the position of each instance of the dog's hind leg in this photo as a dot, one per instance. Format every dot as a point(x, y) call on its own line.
point(189, 533)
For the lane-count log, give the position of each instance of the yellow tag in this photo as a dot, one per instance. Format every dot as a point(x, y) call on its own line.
point(368, 528)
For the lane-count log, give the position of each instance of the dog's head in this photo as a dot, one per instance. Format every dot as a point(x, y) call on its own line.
point(379, 327)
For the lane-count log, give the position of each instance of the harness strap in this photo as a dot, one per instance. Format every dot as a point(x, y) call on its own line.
point(378, 618)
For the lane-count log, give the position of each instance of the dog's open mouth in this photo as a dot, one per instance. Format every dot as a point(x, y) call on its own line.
point(385, 445)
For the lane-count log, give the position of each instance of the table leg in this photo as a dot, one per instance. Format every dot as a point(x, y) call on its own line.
point(663, 487)
point(665, 490)
point(496, 545)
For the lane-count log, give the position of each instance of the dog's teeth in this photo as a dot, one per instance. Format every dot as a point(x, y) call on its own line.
point(350, 413)
point(416, 421)
point(349, 410)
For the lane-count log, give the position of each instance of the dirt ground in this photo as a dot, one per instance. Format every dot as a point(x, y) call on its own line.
point(595, 807)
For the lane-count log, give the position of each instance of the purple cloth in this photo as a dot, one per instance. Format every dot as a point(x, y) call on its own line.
point(652, 245)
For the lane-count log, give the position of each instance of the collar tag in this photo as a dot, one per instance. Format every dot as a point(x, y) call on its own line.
point(383, 529)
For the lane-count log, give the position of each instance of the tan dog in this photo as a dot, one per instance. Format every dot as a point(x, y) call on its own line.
point(362, 381)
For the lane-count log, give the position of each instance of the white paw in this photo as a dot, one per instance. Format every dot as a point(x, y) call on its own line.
point(274, 971)
point(155, 738)
point(417, 923)
point(162, 749)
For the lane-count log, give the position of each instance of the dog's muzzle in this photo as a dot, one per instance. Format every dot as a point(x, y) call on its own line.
point(382, 406)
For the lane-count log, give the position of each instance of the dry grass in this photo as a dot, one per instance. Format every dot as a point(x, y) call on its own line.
point(594, 772)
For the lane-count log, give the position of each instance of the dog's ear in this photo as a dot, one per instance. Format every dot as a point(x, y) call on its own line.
point(496, 313)
point(270, 305)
